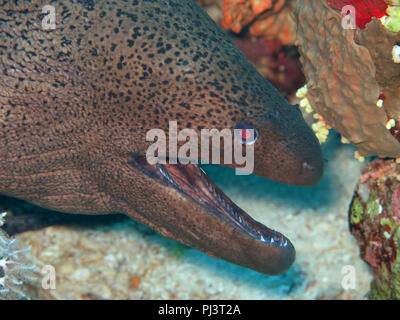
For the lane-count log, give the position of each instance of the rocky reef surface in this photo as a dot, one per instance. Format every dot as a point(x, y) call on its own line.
point(375, 222)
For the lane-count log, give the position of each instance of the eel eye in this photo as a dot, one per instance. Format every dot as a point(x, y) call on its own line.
point(245, 133)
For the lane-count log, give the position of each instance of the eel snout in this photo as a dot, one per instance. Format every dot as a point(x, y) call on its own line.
point(287, 150)
point(211, 222)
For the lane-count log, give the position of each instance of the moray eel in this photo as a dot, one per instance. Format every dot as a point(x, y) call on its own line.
point(76, 103)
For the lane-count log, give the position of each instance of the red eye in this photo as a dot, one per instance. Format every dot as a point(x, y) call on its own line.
point(245, 133)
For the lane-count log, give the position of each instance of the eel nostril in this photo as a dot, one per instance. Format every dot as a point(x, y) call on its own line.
point(272, 115)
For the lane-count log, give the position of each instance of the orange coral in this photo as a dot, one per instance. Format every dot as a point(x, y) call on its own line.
point(267, 18)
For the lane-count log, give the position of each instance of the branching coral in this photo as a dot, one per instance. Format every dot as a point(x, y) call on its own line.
point(14, 272)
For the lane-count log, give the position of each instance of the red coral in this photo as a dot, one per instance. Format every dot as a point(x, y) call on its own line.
point(365, 9)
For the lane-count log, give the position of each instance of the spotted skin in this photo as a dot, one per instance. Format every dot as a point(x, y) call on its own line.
point(76, 103)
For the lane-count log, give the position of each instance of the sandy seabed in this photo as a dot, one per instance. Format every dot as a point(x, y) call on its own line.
point(129, 261)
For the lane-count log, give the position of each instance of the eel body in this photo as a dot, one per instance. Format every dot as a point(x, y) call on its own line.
point(76, 103)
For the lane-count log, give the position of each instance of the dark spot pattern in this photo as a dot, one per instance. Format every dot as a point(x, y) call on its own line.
point(76, 101)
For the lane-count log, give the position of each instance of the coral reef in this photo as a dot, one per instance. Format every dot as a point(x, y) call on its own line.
point(375, 222)
point(265, 34)
point(353, 81)
point(14, 271)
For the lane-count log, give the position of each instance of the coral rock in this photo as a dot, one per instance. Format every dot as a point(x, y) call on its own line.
point(375, 222)
point(347, 72)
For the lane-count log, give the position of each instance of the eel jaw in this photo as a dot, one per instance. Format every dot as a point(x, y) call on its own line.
point(253, 245)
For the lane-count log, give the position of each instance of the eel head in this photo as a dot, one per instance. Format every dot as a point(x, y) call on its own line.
point(127, 67)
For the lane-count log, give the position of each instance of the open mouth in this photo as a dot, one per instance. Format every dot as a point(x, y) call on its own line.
point(194, 183)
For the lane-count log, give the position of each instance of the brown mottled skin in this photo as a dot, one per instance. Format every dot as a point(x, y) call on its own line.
point(76, 103)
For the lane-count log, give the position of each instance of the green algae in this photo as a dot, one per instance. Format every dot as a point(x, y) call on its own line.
point(357, 211)
point(392, 21)
point(373, 207)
